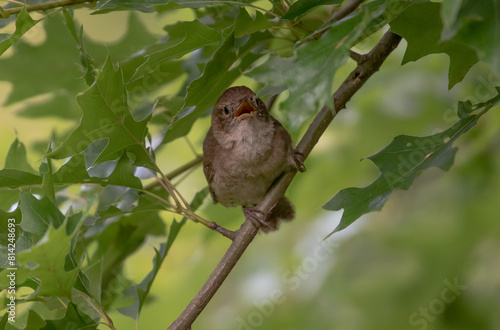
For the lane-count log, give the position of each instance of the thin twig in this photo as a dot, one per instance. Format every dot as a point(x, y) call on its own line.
point(47, 6)
point(248, 231)
point(177, 171)
point(346, 9)
point(356, 57)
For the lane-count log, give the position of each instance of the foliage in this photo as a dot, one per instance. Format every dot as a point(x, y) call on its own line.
point(79, 220)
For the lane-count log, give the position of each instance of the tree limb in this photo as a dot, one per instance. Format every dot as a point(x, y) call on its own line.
point(244, 236)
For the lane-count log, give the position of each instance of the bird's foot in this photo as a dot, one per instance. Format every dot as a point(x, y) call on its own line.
point(299, 163)
point(257, 217)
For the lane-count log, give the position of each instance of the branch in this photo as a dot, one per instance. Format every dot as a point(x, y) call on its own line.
point(244, 236)
point(346, 10)
point(46, 6)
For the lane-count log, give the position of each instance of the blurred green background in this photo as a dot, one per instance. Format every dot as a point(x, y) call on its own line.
point(428, 260)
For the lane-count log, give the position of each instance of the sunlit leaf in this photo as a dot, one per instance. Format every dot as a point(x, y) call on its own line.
point(10, 178)
point(106, 116)
point(402, 161)
point(24, 22)
point(38, 215)
point(74, 171)
point(45, 262)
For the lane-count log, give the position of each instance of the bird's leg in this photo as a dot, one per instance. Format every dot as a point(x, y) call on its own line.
point(257, 217)
point(299, 164)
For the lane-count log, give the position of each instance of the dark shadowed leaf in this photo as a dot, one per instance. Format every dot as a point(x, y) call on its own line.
point(480, 28)
point(41, 76)
point(421, 26)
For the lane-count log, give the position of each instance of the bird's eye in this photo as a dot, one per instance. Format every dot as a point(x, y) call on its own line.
point(226, 111)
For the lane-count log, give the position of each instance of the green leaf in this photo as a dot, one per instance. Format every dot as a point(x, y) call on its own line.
point(184, 37)
point(38, 215)
point(41, 76)
point(140, 292)
point(106, 116)
point(34, 321)
point(86, 59)
point(10, 178)
point(246, 25)
point(402, 161)
point(449, 12)
point(421, 26)
point(227, 64)
point(309, 74)
point(301, 7)
point(74, 171)
point(24, 22)
point(45, 262)
point(480, 29)
point(16, 157)
point(73, 318)
point(4, 230)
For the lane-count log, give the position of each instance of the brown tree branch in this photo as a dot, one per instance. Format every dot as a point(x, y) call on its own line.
point(346, 9)
point(244, 236)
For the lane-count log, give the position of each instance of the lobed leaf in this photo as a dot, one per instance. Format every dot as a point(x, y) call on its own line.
point(16, 158)
point(106, 116)
point(309, 74)
point(184, 38)
point(45, 262)
point(24, 22)
point(421, 26)
point(220, 72)
point(41, 76)
point(75, 172)
point(402, 161)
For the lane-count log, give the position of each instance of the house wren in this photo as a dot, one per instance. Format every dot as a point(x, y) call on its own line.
point(245, 151)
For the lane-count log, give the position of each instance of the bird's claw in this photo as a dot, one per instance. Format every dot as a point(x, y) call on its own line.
point(256, 216)
point(299, 164)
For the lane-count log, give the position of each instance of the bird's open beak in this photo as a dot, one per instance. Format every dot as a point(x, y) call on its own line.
point(245, 110)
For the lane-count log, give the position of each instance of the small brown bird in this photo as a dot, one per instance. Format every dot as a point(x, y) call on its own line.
point(245, 151)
